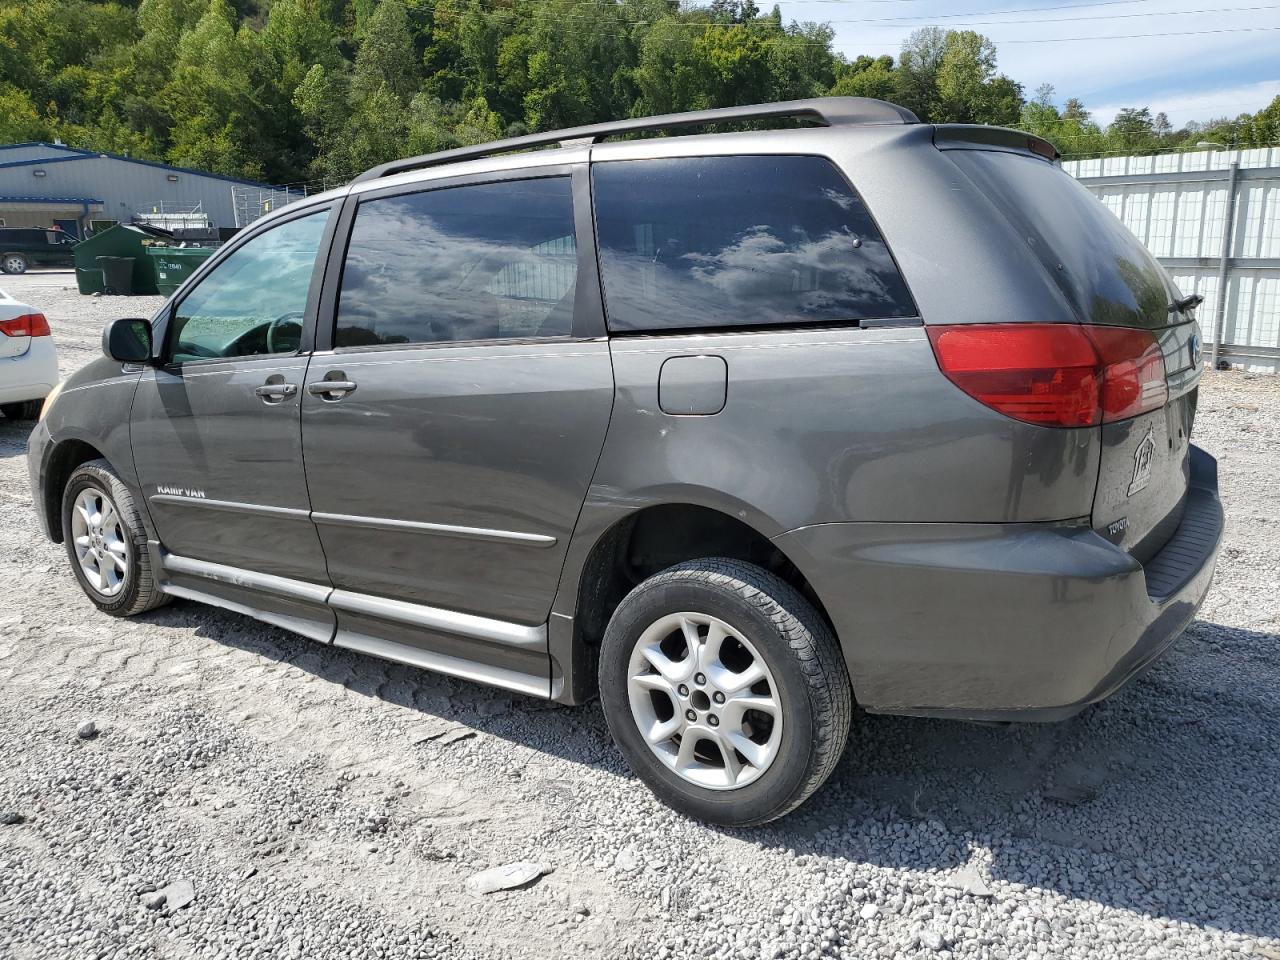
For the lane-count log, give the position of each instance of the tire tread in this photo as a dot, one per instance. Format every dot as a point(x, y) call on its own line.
point(810, 641)
point(146, 594)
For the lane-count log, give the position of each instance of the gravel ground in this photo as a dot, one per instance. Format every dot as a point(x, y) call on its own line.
point(325, 804)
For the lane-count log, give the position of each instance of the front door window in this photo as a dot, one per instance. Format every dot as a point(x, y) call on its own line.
point(253, 302)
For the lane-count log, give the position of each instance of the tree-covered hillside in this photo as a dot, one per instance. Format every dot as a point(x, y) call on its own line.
point(290, 90)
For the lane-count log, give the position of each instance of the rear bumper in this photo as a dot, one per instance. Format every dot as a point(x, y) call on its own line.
point(30, 375)
point(1005, 621)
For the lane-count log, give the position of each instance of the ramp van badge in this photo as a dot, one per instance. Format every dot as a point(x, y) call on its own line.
point(1143, 458)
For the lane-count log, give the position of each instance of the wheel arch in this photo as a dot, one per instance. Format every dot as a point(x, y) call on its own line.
point(62, 460)
point(632, 547)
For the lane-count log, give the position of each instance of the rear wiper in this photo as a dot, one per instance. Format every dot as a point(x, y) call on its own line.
point(1189, 302)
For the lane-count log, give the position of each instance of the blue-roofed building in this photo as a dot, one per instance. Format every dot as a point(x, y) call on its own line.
point(52, 185)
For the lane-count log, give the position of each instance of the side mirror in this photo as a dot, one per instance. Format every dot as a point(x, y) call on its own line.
point(128, 341)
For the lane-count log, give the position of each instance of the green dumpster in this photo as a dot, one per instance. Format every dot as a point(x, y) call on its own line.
point(122, 240)
point(174, 264)
point(117, 275)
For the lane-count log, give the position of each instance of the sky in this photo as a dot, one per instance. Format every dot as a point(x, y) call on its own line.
point(1189, 73)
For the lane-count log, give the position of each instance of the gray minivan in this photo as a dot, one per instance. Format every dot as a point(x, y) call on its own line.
point(732, 429)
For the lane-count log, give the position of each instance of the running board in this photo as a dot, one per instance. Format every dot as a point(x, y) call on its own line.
point(446, 621)
point(524, 642)
point(487, 674)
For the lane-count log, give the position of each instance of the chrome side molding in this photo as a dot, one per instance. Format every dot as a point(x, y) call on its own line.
point(441, 529)
point(233, 506)
point(539, 540)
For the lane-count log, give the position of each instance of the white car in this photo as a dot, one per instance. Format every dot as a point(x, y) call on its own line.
point(28, 360)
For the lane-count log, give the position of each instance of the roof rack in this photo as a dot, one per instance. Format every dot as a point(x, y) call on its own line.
point(827, 111)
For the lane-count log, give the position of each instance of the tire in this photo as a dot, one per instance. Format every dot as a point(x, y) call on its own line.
point(768, 630)
point(24, 410)
point(119, 593)
point(14, 263)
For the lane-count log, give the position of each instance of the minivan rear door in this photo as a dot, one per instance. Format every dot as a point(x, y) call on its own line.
point(1110, 279)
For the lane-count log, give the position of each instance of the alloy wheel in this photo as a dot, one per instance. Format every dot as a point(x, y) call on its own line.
point(704, 701)
point(102, 548)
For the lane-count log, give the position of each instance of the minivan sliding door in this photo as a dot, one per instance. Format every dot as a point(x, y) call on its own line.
point(451, 433)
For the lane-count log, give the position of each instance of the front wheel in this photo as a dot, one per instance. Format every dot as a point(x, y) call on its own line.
point(725, 691)
point(107, 542)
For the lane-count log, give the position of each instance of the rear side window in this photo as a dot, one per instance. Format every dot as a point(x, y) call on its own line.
point(739, 241)
point(489, 261)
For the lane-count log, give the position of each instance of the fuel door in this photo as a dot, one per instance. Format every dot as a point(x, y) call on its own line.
point(693, 386)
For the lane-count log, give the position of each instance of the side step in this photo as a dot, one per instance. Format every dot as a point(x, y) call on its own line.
point(312, 610)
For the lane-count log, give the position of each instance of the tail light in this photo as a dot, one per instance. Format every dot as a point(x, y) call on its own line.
point(27, 325)
point(1054, 374)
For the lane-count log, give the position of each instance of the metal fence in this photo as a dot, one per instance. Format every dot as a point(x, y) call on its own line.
point(1213, 219)
point(251, 202)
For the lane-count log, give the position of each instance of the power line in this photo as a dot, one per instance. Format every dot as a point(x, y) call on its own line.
point(712, 25)
point(1140, 36)
point(941, 16)
point(623, 22)
point(596, 5)
point(893, 21)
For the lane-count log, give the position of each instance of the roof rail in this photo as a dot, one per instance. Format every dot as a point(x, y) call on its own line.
point(827, 111)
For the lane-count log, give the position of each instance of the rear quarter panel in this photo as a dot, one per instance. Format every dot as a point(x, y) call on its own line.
point(833, 425)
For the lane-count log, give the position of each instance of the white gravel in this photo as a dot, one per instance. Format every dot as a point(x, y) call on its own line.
point(325, 804)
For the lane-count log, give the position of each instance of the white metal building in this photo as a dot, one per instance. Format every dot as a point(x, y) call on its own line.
point(48, 184)
point(1213, 219)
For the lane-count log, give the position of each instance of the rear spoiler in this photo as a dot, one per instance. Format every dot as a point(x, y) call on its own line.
point(973, 136)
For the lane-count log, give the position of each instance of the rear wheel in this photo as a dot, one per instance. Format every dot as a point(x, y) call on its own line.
point(725, 691)
point(26, 410)
point(14, 263)
point(107, 542)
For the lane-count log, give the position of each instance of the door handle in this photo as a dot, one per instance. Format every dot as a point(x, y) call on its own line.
point(330, 390)
point(275, 392)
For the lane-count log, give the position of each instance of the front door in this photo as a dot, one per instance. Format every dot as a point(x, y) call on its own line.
point(216, 435)
point(451, 434)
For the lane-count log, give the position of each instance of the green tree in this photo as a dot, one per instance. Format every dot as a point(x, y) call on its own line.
point(800, 61)
point(1132, 130)
point(867, 77)
point(217, 116)
point(387, 60)
point(917, 73)
point(1039, 115)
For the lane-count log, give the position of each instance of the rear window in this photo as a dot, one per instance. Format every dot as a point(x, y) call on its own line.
point(1100, 266)
point(714, 242)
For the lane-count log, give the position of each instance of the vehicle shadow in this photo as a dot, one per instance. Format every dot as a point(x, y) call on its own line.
point(1163, 801)
point(13, 437)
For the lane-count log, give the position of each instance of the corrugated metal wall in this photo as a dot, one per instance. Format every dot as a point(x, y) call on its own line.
point(1178, 205)
point(126, 188)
